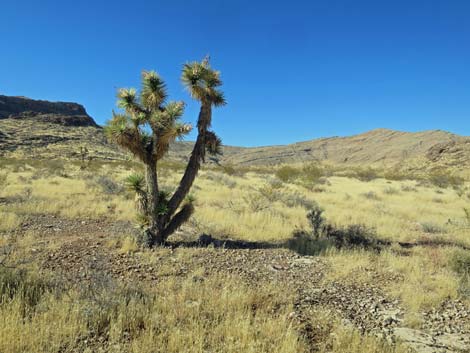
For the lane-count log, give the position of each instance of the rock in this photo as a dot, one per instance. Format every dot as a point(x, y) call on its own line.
point(69, 114)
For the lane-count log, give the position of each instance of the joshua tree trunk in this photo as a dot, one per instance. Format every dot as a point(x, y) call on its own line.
point(193, 166)
point(152, 196)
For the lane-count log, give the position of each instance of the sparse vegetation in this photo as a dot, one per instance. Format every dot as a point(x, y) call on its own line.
point(444, 179)
point(256, 208)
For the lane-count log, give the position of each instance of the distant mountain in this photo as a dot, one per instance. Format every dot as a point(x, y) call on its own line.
point(376, 147)
point(40, 129)
point(31, 128)
point(63, 113)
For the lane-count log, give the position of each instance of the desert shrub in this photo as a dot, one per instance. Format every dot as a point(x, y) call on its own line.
point(316, 220)
point(408, 188)
point(228, 169)
point(467, 215)
point(222, 179)
point(371, 195)
point(396, 174)
point(231, 170)
point(275, 183)
point(365, 174)
point(353, 235)
point(312, 173)
point(290, 199)
point(288, 173)
point(444, 179)
point(460, 263)
point(303, 244)
point(294, 199)
point(437, 200)
point(323, 181)
point(256, 202)
point(432, 228)
point(391, 191)
point(106, 185)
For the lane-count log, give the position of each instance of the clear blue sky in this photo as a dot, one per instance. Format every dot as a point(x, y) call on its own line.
point(293, 70)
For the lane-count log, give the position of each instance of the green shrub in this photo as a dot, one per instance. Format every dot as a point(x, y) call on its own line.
point(460, 262)
point(365, 174)
point(303, 244)
point(444, 179)
point(312, 173)
point(288, 173)
point(432, 228)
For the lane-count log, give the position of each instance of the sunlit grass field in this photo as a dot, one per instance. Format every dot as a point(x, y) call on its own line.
point(251, 205)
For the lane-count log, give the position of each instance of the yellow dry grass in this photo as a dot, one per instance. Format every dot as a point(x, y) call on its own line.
point(249, 207)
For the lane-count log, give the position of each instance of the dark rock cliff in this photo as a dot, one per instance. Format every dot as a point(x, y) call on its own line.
point(62, 113)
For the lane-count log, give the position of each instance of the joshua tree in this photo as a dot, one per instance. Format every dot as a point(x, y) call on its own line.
point(146, 128)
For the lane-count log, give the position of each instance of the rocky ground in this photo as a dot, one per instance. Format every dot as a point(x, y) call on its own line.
point(84, 256)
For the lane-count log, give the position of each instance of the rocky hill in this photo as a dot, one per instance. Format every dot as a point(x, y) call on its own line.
point(42, 129)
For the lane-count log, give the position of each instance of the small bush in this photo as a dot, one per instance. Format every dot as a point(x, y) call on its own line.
point(316, 220)
point(432, 228)
point(354, 235)
point(222, 179)
point(371, 196)
point(290, 199)
point(288, 173)
point(467, 215)
point(366, 174)
point(408, 188)
point(396, 174)
point(444, 179)
point(228, 169)
point(391, 191)
point(296, 199)
point(460, 262)
point(107, 185)
point(303, 244)
point(312, 173)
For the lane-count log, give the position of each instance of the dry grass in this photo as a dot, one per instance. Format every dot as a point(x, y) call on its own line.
point(216, 314)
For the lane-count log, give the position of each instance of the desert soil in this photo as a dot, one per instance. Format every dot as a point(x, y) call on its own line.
point(83, 257)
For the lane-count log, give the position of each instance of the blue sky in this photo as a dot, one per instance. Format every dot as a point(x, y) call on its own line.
point(292, 70)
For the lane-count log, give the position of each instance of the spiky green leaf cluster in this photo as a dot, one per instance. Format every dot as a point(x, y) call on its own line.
point(202, 82)
point(148, 108)
point(136, 182)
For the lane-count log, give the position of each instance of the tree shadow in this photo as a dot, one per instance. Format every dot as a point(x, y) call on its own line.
point(300, 243)
point(206, 240)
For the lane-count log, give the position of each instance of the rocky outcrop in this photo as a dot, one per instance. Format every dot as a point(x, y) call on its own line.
point(62, 113)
